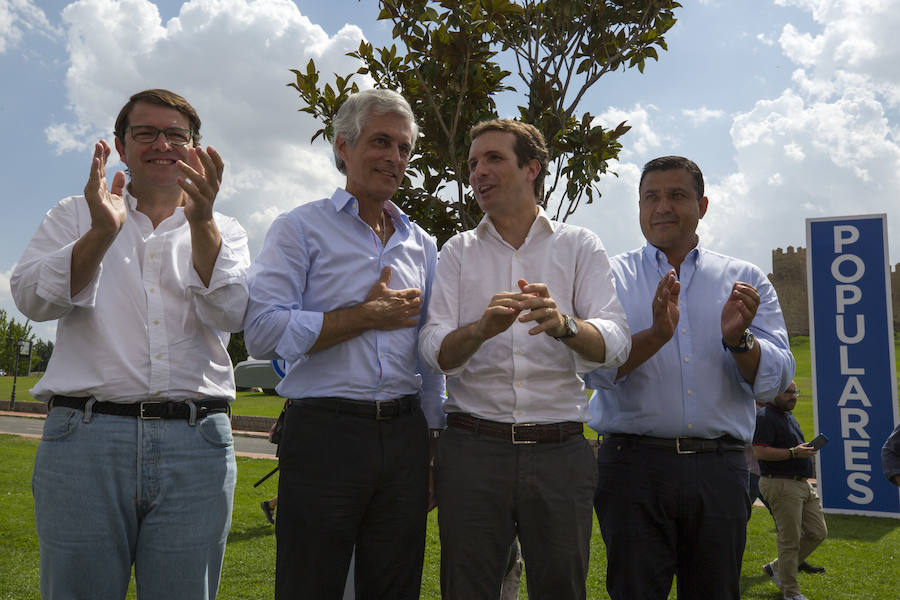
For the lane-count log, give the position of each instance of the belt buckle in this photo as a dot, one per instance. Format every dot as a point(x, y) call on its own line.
point(512, 431)
point(147, 417)
point(378, 415)
point(678, 449)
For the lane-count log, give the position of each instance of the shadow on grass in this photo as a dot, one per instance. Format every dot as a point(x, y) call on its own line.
point(250, 533)
point(753, 581)
point(859, 528)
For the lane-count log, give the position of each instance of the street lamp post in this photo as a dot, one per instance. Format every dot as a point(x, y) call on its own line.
point(23, 348)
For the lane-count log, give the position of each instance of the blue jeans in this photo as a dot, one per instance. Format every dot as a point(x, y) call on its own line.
point(111, 492)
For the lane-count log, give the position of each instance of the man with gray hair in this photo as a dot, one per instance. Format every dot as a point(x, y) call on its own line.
point(339, 291)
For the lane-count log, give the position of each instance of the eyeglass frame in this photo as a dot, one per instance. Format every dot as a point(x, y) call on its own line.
point(194, 137)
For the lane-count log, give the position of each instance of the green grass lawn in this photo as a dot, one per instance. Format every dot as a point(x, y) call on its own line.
point(860, 552)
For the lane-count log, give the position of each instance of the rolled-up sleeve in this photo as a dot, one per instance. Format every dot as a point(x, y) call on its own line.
point(276, 326)
point(776, 363)
point(443, 309)
point(596, 302)
point(41, 280)
point(434, 385)
point(223, 303)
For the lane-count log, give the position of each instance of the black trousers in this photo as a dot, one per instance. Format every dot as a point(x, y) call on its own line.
point(663, 514)
point(490, 490)
point(348, 480)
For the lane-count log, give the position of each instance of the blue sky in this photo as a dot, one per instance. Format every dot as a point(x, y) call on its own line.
point(790, 107)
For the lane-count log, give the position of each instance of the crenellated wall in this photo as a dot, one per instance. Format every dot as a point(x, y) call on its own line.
point(789, 278)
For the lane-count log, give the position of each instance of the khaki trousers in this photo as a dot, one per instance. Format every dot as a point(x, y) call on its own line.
point(801, 525)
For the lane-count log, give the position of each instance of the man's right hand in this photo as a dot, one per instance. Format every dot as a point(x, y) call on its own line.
point(500, 314)
point(392, 309)
point(804, 451)
point(665, 307)
point(459, 345)
point(108, 212)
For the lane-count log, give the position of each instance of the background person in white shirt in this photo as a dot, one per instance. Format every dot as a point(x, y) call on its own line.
point(136, 464)
point(521, 304)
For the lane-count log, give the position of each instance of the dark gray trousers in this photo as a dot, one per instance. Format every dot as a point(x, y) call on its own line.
point(490, 490)
point(348, 480)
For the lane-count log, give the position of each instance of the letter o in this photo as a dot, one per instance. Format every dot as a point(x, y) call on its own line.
point(857, 262)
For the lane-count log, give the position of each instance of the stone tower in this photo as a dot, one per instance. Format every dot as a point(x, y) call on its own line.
point(789, 278)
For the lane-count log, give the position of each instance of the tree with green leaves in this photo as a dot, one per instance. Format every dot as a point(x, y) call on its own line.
point(449, 70)
point(11, 331)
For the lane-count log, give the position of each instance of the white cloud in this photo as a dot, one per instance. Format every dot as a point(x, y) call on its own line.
point(641, 138)
point(701, 115)
point(614, 217)
point(765, 40)
point(18, 17)
point(231, 60)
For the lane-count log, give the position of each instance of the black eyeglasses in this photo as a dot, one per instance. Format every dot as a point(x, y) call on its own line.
point(147, 134)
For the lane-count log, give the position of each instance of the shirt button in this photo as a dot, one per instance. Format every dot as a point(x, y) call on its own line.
point(152, 290)
point(156, 321)
point(683, 330)
point(518, 384)
point(153, 255)
point(690, 392)
point(158, 356)
point(518, 413)
point(687, 359)
point(520, 351)
point(690, 426)
point(381, 355)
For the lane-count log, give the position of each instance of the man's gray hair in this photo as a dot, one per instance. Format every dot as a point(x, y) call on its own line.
point(351, 117)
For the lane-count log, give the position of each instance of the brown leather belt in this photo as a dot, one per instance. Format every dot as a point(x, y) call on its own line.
point(682, 445)
point(794, 477)
point(517, 433)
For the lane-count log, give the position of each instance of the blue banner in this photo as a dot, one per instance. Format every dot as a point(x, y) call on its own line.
point(853, 368)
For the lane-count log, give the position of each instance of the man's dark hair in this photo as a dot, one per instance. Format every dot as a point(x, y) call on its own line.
point(669, 163)
point(160, 98)
point(529, 145)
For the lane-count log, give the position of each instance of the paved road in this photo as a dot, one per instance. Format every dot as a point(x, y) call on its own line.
point(245, 444)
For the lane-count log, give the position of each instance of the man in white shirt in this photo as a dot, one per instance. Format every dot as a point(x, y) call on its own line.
point(521, 304)
point(136, 463)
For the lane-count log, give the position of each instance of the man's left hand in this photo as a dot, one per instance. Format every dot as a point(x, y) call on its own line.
point(541, 308)
point(202, 177)
point(738, 312)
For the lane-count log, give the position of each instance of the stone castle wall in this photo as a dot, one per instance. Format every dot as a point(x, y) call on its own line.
point(789, 278)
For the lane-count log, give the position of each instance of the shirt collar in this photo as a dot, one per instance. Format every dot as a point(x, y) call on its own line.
point(657, 258)
point(542, 222)
point(342, 200)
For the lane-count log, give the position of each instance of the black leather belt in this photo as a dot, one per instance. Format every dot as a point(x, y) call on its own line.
point(681, 445)
point(517, 433)
point(794, 477)
point(373, 409)
point(167, 409)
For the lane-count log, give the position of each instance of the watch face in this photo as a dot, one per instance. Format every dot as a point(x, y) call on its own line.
point(749, 340)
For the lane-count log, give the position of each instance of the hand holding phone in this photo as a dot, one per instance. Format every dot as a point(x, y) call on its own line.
point(819, 441)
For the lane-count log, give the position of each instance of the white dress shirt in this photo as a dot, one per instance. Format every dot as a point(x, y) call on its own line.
point(145, 326)
point(516, 377)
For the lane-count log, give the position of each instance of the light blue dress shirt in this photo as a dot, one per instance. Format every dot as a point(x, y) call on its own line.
point(692, 386)
point(320, 257)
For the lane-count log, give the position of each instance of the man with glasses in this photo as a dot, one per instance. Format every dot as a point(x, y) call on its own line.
point(136, 464)
point(785, 464)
